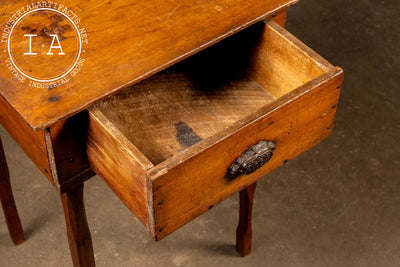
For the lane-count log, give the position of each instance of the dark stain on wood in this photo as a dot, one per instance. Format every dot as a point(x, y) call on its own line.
point(29, 29)
point(54, 28)
point(185, 135)
point(54, 98)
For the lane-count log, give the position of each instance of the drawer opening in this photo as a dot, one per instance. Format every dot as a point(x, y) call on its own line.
point(210, 91)
point(166, 144)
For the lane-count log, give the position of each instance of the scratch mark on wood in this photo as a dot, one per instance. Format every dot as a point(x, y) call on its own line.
point(164, 19)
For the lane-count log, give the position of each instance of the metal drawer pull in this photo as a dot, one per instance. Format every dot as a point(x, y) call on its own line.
point(251, 160)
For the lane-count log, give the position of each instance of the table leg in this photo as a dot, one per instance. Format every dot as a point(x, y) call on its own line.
point(8, 203)
point(244, 232)
point(79, 239)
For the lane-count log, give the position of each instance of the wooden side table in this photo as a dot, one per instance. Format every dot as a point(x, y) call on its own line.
point(176, 105)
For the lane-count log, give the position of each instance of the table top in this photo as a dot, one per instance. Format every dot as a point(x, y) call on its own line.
point(57, 59)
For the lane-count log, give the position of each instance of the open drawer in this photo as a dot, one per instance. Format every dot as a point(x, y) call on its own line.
point(180, 142)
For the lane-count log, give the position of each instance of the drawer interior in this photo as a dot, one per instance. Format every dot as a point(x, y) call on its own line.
point(210, 91)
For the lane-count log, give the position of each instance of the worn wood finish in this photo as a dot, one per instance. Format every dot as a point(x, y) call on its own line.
point(67, 142)
point(177, 108)
point(171, 111)
point(119, 162)
point(295, 124)
point(66, 146)
point(244, 233)
point(280, 17)
point(137, 30)
point(8, 203)
point(59, 157)
point(79, 239)
point(270, 67)
point(77, 179)
point(193, 179)
point(33, 143)
point(164, 145)
point(154, 132)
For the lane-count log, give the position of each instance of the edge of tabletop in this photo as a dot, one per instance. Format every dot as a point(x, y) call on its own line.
point(40, 123)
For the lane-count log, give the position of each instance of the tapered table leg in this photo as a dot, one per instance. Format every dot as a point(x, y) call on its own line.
point(80, 241)
point(244, 232)
point(8, 203)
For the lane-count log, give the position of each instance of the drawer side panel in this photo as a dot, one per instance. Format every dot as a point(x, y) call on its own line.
point(111, 158)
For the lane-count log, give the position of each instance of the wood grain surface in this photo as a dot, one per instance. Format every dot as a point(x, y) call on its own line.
point(33, 143)
point(119, 163)
point(190, 183)
point(127, 41)
point(79, 237)
point(169, 112)
point(295, 122)
point(67, 140)
point(244, 233)
point(188, 179)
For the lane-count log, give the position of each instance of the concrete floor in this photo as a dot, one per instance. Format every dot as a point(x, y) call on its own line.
point(335, 205)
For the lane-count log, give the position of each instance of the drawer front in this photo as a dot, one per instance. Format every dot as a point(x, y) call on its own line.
point(184, 189)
